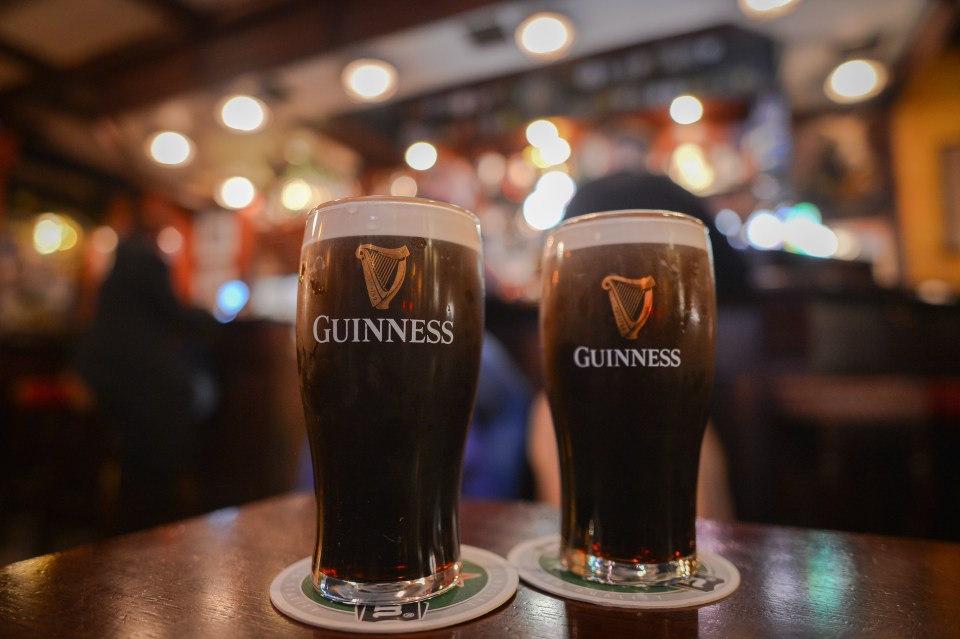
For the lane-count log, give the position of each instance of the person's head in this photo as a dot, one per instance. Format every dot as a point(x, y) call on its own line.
point(630, 150)
point(615, 146)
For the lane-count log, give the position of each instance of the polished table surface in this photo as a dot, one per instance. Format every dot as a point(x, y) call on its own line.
point(210, 577)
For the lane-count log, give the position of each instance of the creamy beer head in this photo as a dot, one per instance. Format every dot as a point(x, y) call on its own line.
point(621, 227)
point(403, 216)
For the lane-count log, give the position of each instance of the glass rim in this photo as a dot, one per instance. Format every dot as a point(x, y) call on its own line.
point(629, 226)
point(394, 200)
point(620, 214)
point(392, 215)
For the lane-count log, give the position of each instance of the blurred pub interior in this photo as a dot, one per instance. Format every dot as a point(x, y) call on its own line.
point(837, 396)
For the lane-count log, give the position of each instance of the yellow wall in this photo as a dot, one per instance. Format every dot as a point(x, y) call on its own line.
point(926, 119)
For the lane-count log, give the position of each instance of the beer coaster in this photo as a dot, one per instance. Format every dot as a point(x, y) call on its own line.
point(486, 581)
point(538, 562)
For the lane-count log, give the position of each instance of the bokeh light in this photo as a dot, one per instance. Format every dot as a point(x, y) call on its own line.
point(403, 186)
point(491, 168)
point(520, 173)
point(235, 193)
point(764, 230)
point(856, 80)
point(104, 239)
point(52, 233)
point(686, 109)
point(728, 222)
point(170, 148)
point(545, 206)
point(369, 80)
point(296, 194)
point(46, 235)
point(560, 186)
point(767, 9)
point(421, 156)
point(556, 151)
point(170, 240)
point(808, 237)
point(849, 246)
point(540, 133)
point(232, 296)
point(545, 35)
point(689, 167)
point(243, 113)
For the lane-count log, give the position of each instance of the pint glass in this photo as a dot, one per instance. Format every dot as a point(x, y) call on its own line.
point(627, 327)
point(389, 332)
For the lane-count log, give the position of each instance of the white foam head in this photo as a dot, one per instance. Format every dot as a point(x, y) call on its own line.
point(628, 227)
point(380, 215)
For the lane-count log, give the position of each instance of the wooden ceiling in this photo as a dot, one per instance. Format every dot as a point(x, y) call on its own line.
point(88, 78)
point(97, 58)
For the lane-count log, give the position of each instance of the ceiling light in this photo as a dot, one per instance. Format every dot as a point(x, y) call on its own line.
point(421, 156)
point(545, 35)
point(855, 80)
point(767, 9)
point(686, 109)
point(235, 193)
point(368, 80)
point(170, 148)
point(243, 113)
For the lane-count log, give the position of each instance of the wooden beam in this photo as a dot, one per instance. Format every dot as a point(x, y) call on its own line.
point(187, 17)
point(278, 34)
point(376, 149)
point(34, 64)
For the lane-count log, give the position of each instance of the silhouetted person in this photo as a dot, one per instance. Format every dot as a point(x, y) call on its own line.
point(495, 463)
point(141, 360)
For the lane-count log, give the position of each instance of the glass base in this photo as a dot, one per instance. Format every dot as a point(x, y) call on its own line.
point(387, 592)
point(624, 573)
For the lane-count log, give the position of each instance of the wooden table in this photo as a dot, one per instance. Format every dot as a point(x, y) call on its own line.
point(209, 577)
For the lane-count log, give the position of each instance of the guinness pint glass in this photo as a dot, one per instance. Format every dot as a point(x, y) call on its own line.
point(389, 331)
point(627, 325)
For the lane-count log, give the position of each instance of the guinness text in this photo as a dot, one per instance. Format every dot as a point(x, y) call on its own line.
point(357, 329)
point(585, 357)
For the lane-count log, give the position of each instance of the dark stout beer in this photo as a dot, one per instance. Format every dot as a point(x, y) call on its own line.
point(628, 342)
point(389, 331)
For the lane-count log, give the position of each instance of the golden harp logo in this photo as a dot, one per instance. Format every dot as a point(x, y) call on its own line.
point(383, 270)
point(631, 300)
